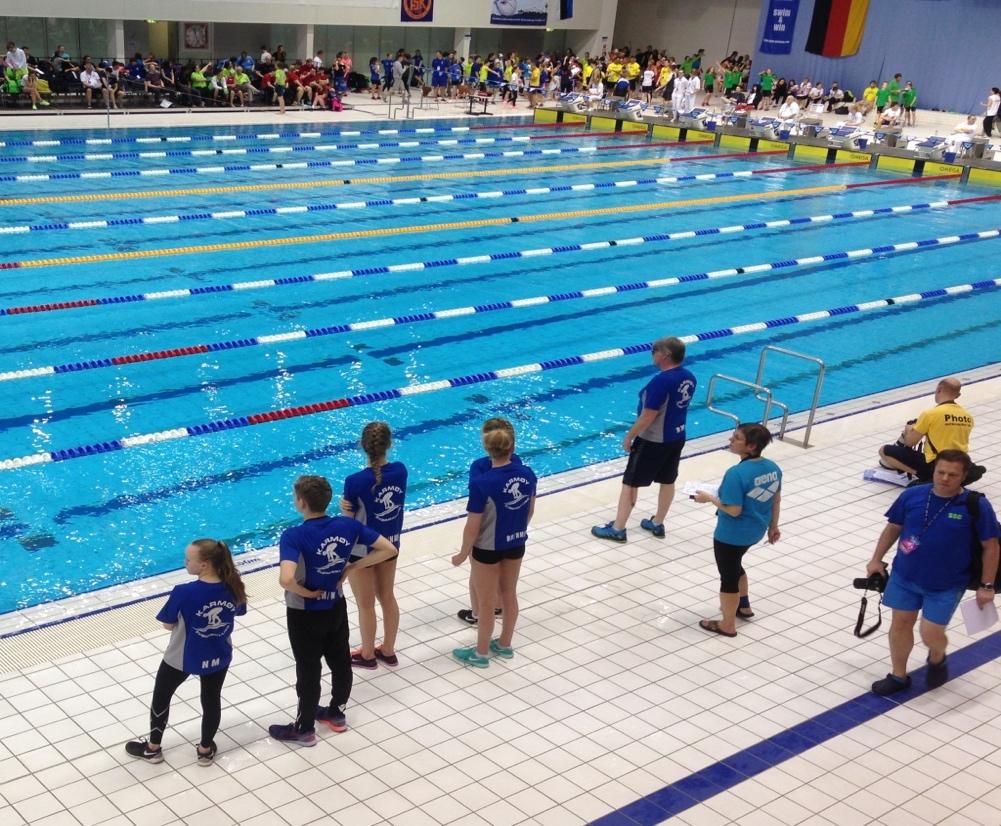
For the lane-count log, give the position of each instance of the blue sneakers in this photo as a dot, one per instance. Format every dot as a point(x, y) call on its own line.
point(499, 650)
point(656, 528)
point(290, 734)
point(609, 531)
point(468, 656)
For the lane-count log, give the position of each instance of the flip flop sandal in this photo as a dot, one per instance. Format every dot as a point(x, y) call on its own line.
point(712, 626)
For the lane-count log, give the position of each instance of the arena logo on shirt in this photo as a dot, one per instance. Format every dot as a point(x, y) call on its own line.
point(328, 550)
point(385, 498)
point(765, 486)
point(513, 489)
point(215, 626)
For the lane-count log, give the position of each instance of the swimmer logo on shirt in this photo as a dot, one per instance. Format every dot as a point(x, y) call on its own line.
point(685, 393)
point(389, 507)
point(328, 550)
point(513, 489)
point(765, 486)
point(214, 626)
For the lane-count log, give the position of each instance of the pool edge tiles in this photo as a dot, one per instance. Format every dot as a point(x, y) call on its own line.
point(706, 452)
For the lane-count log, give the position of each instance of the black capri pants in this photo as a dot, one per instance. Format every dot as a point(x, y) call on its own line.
point(728, 563)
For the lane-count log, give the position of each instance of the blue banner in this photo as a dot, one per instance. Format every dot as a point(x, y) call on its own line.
point(519, 13)
point(566, 9)
point(779, 26)
point(416, 11)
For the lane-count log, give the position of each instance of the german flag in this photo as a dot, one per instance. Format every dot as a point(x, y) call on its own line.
point(837, 26)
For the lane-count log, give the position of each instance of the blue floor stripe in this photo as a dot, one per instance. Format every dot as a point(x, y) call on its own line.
point(706, 783)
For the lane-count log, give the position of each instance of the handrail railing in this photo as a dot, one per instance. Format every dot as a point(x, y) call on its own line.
point(821, 370)
point(759, 391)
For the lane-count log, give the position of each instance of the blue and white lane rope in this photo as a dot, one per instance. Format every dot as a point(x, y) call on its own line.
point(220, 425)
point(362, 272)
point(478, 309)
point(277, 150)
point(384, 202)
point(265, 136)
point(263, 167)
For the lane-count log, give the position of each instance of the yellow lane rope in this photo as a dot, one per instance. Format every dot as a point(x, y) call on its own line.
point(382, 179)
point(388, 231)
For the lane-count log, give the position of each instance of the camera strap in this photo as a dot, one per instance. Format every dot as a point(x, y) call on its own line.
point(861, 617)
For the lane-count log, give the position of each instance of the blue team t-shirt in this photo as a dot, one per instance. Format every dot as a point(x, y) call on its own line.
point(752, 484)
point(320, 548)
point(934, 549)
point(204, 614)
point(378, 506)
point(483, 464)
point(669, 393)
point(503, 495)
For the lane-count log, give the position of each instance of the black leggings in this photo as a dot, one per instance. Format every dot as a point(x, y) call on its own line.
point(728, 563)
point(989, 125)
point(168, 680)
point(315, 637)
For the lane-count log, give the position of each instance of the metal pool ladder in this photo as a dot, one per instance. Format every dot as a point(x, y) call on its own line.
point(764, 394)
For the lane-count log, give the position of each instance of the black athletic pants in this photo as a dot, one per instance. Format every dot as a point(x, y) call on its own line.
point(316, 636)
point(168, 680)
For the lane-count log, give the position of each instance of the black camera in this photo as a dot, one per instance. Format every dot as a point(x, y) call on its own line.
point(874, 582)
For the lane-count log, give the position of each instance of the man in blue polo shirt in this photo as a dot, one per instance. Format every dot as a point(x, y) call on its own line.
point(313, 564)
point(934, 530)
point(655, 440)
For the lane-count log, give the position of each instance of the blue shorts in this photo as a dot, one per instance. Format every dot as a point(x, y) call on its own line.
point(935, 606)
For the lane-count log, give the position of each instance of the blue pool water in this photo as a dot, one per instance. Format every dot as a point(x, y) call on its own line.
point(76, 525)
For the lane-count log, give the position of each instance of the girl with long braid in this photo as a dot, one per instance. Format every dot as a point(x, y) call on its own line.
point(374, 496)
point(200, 616)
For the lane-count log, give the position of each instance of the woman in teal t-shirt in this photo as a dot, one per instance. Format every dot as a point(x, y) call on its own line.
point(747, 508)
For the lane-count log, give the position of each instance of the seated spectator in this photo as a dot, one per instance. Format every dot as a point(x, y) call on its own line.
point(855, 117)
point(246, 62)
point(91, 81)
point(154, 83)
point(869, 97)
point(219, 87)
point(890, 116)
point(789, 111)
point(266, 58)
point(242, 90)
point(199, 83)
point(946, 426)
point(962, 132)
point(835, 97)
point(30, 87)
point(114, 84)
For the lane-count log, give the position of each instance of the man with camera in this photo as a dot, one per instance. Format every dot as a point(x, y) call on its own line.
point(946, 426)
point(937, 535)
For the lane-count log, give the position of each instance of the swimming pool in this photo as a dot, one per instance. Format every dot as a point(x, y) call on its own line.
point(187, 261)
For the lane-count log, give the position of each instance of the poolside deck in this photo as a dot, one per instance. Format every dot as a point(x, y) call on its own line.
point(614, 693)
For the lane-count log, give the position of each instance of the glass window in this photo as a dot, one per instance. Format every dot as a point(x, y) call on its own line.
point(136, 38)
point(366, 46)
point(63, 32)
point(29, 34)
point(485, 41)
point(391, 38)
point(93, 40)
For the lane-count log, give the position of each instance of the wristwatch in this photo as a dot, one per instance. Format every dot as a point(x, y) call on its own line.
point(987, 586)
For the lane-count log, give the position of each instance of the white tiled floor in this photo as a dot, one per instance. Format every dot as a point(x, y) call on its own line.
point(613, 694)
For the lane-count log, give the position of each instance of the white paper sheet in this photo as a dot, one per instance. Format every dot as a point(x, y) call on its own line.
point(978, 619)
point(691, 487)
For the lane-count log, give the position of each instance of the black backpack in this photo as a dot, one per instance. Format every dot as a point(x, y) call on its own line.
point(973, 498)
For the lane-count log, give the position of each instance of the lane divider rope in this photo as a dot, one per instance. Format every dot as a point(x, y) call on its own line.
point(535, 301)
point(187, 292)
point(233, 423)
point(384, 202)
point(272, 136)
point(478, 223)
point(382, 179)
point(322, 147)
point(268, 167)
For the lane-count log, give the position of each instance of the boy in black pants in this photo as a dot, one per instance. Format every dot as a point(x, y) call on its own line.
point(313, 564)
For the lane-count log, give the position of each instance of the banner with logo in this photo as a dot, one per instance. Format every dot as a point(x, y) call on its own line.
point(779, 26)
point(519, 13)
point(416, 11)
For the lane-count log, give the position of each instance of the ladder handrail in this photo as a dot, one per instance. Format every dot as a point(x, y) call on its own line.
point(759, 391)
point(821, 371)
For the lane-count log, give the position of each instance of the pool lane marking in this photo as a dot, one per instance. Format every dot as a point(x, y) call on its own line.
point(381, 179)
point(265, 417)
point(270, 167)
point(535, 301)
point(309, 147)
point(188, 292)
point(384, 202)
point(328, 133)
point(478, 223)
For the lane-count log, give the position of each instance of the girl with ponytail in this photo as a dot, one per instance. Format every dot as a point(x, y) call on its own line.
point(374, 496)
point(200, 616)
